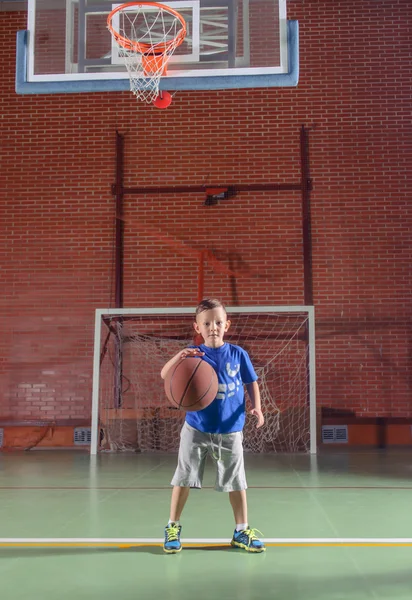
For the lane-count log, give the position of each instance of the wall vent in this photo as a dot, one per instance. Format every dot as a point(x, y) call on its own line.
point(335, 434)
point(82, 436)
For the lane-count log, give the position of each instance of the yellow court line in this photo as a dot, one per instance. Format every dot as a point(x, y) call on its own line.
point(341, 544)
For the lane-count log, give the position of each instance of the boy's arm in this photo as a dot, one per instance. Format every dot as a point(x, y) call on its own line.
point(179, 356)
point(254, 395)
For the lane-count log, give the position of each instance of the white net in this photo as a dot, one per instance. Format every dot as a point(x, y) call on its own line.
point(146, 36)
point(134, 413)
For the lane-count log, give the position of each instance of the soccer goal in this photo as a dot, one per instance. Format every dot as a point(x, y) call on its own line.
point(130, 411)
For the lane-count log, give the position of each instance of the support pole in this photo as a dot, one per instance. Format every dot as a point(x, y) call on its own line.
point(201, 276)
point(308, 283)
point(118, 190)
point(306, 187)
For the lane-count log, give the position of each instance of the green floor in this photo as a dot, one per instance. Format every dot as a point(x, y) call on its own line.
point(335, 495)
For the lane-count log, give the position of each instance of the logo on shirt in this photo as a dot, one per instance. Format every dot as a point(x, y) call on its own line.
point(226, 390)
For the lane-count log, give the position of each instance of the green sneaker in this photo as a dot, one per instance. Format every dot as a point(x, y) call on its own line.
point(248, 540)
point(172, 538)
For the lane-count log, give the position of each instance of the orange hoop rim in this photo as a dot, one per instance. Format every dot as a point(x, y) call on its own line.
point(143, 47)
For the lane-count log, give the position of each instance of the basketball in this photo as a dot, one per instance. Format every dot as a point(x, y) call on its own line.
point(191, 385)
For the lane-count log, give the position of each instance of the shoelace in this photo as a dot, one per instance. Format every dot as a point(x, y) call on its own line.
point(172, 533)
point(251, 534)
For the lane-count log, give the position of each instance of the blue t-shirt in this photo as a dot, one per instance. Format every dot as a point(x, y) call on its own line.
point(226, 413)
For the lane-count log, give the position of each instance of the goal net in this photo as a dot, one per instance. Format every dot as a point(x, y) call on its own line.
point(130, 408)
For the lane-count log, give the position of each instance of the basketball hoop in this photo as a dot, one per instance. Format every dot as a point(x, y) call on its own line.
point(146, 34)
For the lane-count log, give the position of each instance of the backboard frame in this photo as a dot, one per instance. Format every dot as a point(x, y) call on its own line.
point(285, 75)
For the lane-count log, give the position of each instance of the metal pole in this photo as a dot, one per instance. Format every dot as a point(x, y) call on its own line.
point(306, 187)
point(118, 190)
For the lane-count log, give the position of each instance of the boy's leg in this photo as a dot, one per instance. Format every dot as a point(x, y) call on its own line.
point(173, 528)
point(239, 505)
point(231, 478)
point(243, 536)
point(178, 501)
point(189, 473)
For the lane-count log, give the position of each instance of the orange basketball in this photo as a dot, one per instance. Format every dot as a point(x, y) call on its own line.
point(191, 384)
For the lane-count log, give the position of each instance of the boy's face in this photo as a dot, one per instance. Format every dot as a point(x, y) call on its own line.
point(212, 325)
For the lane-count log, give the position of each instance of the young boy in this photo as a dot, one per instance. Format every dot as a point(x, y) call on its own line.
point(217, 429)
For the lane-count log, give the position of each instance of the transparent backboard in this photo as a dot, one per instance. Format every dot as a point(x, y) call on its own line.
point(227, 40)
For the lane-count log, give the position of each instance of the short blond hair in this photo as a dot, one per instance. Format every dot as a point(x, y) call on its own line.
point(208, 304)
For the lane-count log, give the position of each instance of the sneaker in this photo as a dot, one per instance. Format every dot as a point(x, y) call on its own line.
point(247, 540)
point(172, 538)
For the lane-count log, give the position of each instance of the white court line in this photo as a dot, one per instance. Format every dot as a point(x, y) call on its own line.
point(127, 542)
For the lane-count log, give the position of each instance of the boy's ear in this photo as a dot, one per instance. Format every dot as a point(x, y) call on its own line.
point(196, 327)
point(198, 339)
point(228, 324)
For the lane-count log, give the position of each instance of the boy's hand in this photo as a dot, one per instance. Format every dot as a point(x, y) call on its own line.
point(191, 352)
point(179, 356)
point(259, 415)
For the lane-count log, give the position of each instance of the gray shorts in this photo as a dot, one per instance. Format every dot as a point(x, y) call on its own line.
point(226, 449)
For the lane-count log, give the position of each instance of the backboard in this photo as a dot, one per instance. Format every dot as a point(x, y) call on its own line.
point(229, 44)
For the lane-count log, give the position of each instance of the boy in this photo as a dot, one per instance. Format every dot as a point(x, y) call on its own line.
point(217, 429)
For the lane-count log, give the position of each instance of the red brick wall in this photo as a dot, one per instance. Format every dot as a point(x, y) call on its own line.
point(58, 164)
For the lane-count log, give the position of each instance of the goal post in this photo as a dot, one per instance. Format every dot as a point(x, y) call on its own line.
point(130, 410)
